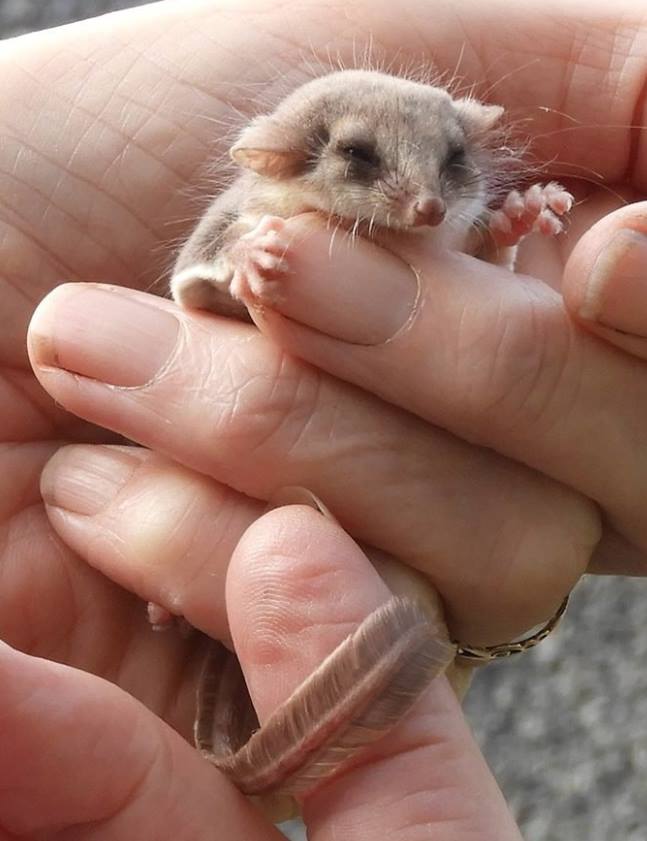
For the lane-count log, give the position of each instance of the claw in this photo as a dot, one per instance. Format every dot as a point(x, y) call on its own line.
point(548, 224)
point(500, 221)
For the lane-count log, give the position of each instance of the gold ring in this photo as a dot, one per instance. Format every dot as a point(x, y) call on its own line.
point(484, 654)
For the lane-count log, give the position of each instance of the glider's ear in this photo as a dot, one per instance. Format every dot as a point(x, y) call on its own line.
point(477, 118)
point(270, 148)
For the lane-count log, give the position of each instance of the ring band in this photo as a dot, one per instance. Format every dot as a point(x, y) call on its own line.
point(484, 654)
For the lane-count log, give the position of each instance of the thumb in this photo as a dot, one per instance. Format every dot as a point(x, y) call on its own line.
point(82, 759)
point(605, 279)
point(297, 585)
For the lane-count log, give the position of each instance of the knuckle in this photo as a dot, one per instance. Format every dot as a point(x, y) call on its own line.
point(527, 375)
point(260, 402)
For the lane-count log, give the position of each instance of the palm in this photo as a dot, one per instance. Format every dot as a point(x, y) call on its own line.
point(105, 201)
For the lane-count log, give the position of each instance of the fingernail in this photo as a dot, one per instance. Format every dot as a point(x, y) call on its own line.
point(84, 479)
point(109, 334)
point(616, 292)
point(347, 288)
point(297, 495)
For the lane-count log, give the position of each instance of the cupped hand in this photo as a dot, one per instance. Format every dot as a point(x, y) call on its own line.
point(83, 760)
point(108, 127)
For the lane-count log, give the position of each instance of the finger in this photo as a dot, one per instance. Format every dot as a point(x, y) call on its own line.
point(83, 760)
point(226, 402)
point(296, 587)
point(154, 527)
point(490, 357)
point(605, 279)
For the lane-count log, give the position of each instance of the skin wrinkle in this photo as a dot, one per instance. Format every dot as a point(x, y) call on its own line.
point(118, 80)
point(385, 762)
point(411, 822)
point(559, 384)
point(324, 417)
point(350, 440)
point(64, 269)
point(332, 419)
point(284, 67)
point(60, 642)
point(249, 421)
point(124, 644)
point(637, 134)
point(570, 79)
point(31, 410)
point(559, 356)
point(617, 94)
point(130, 799)
point(83, 606)
point(419, 799)
point(445, 802)
point(52, 203)
point(416, 739)
point(290, 579)
point(580, 65)
point(118, 549)
point(131, 142)
point(74, 108)
point(259, 415)
point(525, 404)
point(490, 394)
point(7, 276)
point(526, 411)
point(67, 172)
point(25, 491)
point(624, 49)
point(202, 569)
point(56, 64)
point(272, 644)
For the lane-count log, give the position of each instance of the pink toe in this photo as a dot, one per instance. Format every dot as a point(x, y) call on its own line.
point(159, 617)
point(549, 224)
point(237, 286)
point(561, 202)
point(514, 205)
point(269, 224)
point(499, 221)
point(534, 200)
point(264, 260)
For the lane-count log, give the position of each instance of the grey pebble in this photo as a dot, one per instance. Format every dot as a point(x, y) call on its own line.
point(564, 727)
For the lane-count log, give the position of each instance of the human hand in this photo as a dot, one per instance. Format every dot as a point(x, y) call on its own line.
point(97, 765)
point(534, 535)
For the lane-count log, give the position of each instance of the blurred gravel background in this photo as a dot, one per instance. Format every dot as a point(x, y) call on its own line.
point(564, 727)
point(19, 16)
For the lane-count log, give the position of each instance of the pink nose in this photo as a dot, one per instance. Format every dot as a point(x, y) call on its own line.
point(428, 210)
